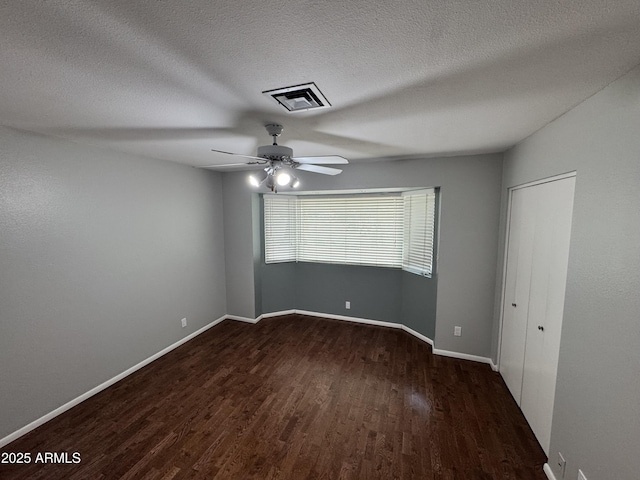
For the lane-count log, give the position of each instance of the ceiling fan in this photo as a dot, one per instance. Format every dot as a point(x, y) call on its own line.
point(280, 163)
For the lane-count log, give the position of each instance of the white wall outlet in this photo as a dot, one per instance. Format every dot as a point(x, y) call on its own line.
point(562, 464)
point(184, 322)
point(347, 305)
point(457, 331)
point(581, 475)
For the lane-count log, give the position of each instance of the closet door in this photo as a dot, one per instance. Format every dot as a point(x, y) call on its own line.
point(516, 298)
point(536, 271)
point(546, 304)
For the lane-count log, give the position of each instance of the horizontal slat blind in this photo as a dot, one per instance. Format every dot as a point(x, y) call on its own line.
point(356, 230)
point(419, 220)
point(280, 228)
point(375, 230)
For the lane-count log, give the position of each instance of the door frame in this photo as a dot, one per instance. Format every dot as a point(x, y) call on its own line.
point(510, 191)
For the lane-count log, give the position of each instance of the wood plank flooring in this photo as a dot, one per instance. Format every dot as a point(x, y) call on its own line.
point(293, 397)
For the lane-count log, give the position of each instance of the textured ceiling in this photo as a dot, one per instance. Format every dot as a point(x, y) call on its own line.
point(173, 79)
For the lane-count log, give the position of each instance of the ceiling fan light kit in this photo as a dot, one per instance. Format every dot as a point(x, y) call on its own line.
point(283, 178)
point(280, 163)
point(256, 181)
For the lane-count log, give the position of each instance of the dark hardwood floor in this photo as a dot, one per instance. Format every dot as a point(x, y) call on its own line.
point(293, 398)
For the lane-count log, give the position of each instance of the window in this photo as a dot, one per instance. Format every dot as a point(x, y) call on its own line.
point(419, 221)
point(354, 230)
point(381, 230)
point(280, 223)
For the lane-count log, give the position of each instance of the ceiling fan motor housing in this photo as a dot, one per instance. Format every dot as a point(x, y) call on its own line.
point(275, 152)
point(274, 129)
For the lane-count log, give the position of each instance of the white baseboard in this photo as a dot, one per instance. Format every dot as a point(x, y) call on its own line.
point(417, 335)
point(494, 367)
point(275, 314)
point(238, 318)
point(380, 323)
point(547, 470)
point(366, 321)
point(45, 418)
point(462, 356)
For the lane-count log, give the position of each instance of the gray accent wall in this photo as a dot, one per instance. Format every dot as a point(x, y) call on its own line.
point(101, 256)
point(278, 287)
point(596, 419)
point(468, 237)
point(375, 293)
point(384, 294)
point(418, 301)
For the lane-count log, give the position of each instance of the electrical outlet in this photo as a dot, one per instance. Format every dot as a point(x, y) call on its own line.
point(457, 331)
point(184, 322)
point(562, 464)
point(347, 305)
point(581, 475)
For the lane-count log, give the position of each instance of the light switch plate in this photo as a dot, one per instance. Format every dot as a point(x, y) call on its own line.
point(562, 464)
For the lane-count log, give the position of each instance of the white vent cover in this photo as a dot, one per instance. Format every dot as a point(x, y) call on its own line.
point(299, 98)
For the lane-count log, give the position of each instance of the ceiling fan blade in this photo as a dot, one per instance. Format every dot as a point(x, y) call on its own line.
point(319, 169)
point(240, 155)
point(322, 160)
point(227, 165)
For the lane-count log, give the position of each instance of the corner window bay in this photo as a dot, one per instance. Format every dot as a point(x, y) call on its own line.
point(394, 230)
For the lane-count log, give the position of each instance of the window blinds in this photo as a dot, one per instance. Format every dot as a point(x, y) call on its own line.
point(419, 221)
point(353, 230)
point(375, 230)
point(280, 223)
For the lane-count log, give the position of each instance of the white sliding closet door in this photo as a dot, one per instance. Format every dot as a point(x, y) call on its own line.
point(536, 274)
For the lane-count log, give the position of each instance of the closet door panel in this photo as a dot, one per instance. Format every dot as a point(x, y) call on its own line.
point(563, 192)
point(546, 304)
point(516, 299)
point(533, 372)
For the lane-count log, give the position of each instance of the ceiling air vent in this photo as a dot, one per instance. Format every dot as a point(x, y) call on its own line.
point(299, 98)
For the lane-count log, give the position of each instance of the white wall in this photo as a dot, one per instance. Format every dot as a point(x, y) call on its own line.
point(596, 421)
point(101, 255)
point(470, 204)
point(239, 251)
